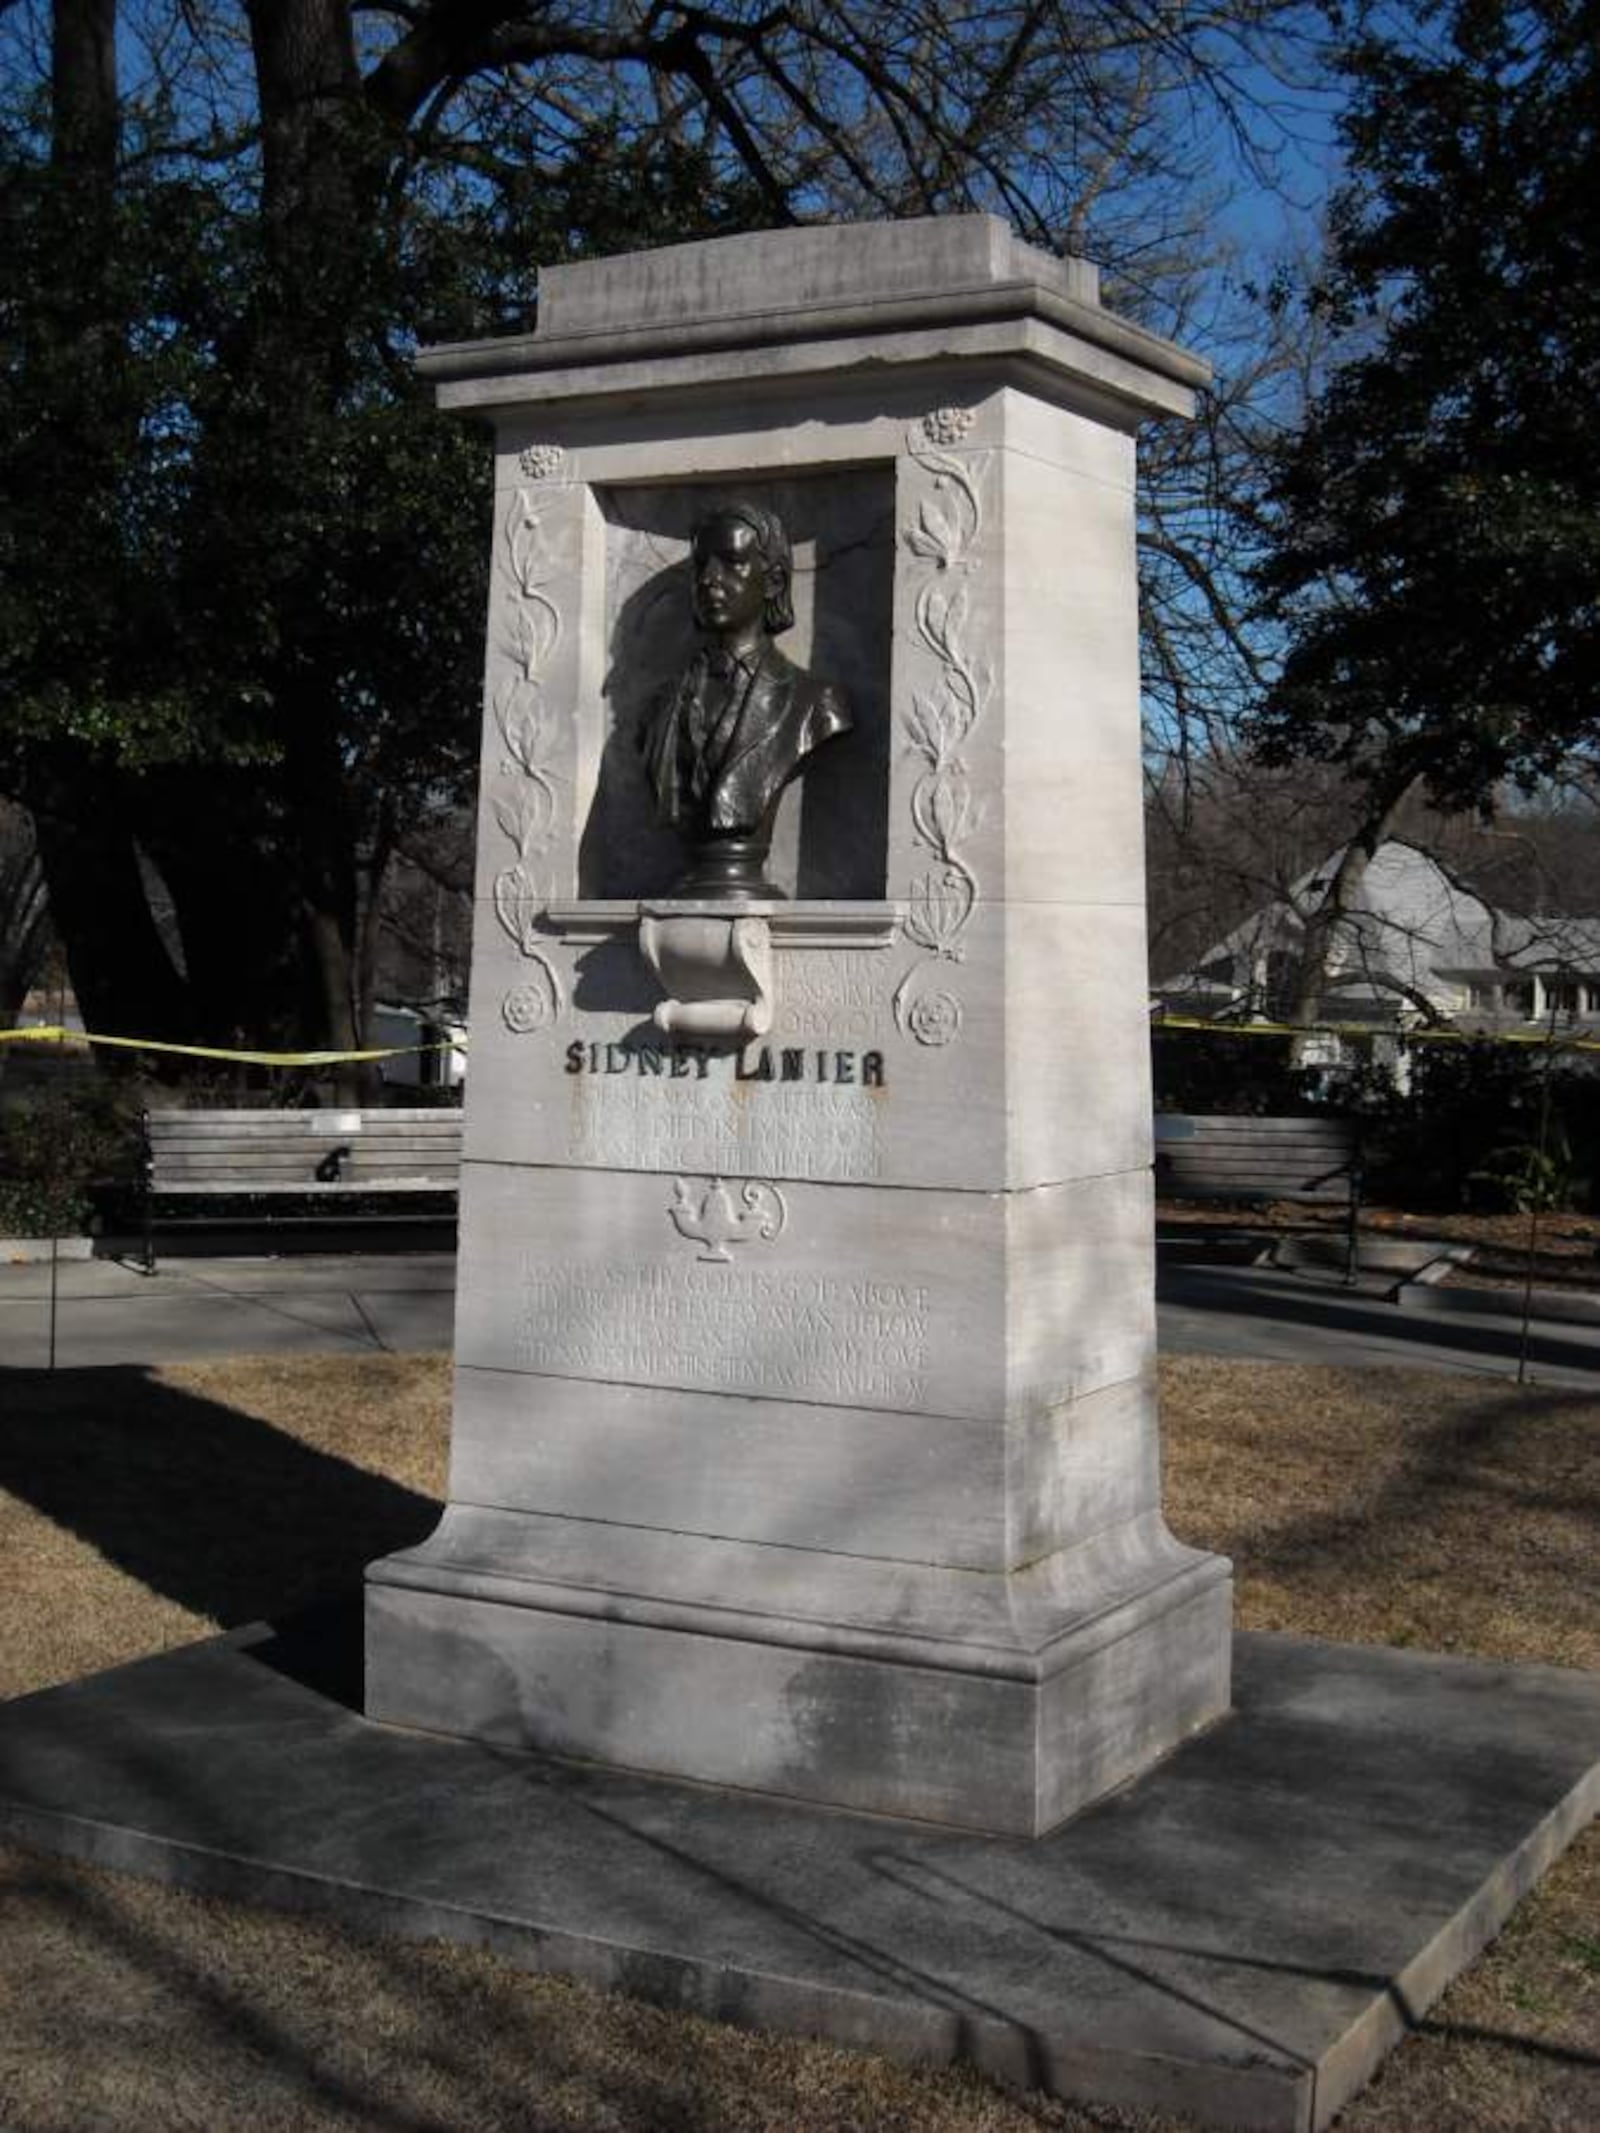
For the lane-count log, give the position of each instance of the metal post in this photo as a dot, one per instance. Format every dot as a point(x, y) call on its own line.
point(1537, 1186)
point(55, 1223)
point(1352, 1241)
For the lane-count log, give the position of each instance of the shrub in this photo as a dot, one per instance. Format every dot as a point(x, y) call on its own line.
point(1216, 1071)
point(1476, 1132)
point(56, 1147)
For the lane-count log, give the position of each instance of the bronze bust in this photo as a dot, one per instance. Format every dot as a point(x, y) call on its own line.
point(722, 741)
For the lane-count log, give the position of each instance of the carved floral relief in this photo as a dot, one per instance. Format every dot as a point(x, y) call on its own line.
point(940, 719)
point(524, 801)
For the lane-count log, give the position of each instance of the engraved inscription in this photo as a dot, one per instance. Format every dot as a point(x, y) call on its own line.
point(785, 1336)
point(839, 996)
point(725, 1128)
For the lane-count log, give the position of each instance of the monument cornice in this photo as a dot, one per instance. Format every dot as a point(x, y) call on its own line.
point(1008, 301)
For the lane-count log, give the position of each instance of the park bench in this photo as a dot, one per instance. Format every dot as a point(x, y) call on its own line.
point(224, 1169)
point(1247, 1161)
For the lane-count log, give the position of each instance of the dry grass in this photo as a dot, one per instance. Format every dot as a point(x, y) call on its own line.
point(1373, 1505)
point(1394, 1506)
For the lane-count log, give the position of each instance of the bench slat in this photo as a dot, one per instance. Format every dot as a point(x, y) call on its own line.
point(272, 1156)
point(1216, 1157)
point(299, 1188)
point(429, 1120)
point(296, 1159)
point(1191, 1123)
point(296, 1137)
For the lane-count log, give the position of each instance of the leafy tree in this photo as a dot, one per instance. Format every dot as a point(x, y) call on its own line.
point(1436, 561)
point(1435, 550)
point(244, 562)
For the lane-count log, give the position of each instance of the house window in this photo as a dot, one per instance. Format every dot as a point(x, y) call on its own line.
point(1483, 996)
point(1519, 998)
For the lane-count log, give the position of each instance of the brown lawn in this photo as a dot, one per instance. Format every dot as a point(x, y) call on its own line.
point(148, 1507)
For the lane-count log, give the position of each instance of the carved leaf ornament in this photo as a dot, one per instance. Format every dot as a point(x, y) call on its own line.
point(526, 812)
point(945, 812)
point(941, 903)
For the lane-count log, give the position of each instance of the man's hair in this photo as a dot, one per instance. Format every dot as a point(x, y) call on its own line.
point(772, 545)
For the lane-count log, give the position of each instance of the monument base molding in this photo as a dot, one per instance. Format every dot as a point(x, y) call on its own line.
point(1011, 1703)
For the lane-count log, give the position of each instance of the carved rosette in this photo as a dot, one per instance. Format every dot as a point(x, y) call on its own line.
point(940, 719)
point(524, 801)
point(542, 462)
point(534, 1004)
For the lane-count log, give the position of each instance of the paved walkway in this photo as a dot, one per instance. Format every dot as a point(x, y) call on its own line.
point(341, 1303)
point(1277, 1316)
point(106, 1311)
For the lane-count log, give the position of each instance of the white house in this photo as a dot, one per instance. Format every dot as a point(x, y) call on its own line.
point(1418, 947)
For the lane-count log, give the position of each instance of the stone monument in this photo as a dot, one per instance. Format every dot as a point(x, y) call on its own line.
point(805, 1421)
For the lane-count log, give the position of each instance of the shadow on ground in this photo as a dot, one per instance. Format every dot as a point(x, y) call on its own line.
point(212, 1508)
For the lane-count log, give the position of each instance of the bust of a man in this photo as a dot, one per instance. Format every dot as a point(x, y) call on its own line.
point(722, 741)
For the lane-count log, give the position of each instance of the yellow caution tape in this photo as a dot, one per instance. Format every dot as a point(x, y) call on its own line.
point(43, 1033)
point(1424, 1035)
point(53, 1033)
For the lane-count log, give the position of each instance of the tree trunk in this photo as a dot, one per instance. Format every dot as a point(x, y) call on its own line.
point(325, 879)
point(124, 979)
point(319, 185)
point(369, 930)
point(233, 904)
point(125, 982)
point(24, 920)
point(83, 91)
point(1337, 902)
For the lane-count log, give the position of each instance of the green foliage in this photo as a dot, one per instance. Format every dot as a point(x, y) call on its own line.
point(1527, 1179)
point(1212, 1072)
point(56, 1147)
point(244, 560)
point(1495, 1126)
point(1437, 536)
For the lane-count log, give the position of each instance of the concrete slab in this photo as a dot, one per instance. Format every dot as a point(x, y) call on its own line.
point(1275, 1316)
point(1569, 1307)
point(109, 1312)
point(1241, 1935)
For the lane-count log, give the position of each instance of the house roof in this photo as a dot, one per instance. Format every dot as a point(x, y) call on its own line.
point(1411, 921)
